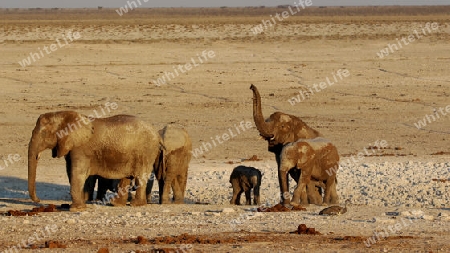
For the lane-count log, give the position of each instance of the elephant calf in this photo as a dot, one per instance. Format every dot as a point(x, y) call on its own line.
point(244, 179)
point(171, 165)
point(318, 160)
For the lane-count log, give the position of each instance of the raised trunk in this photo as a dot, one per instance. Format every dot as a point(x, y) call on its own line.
point(33, 154)
point(261, 125)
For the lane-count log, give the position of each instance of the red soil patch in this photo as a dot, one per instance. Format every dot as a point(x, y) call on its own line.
point(34, 211)
point(440, 180)
point(54, 245)
point(441, 153)
point(280, 208)
point(304, 230)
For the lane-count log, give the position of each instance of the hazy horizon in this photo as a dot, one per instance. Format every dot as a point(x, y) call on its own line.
point(202, 3)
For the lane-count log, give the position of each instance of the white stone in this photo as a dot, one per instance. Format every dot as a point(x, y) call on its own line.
point(71, 221)
point(428, 217)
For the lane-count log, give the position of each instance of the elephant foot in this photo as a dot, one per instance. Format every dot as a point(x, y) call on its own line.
point(119, 201)
point(77, 207)
point(138, 202)
point(166, 201)
point(295, 204)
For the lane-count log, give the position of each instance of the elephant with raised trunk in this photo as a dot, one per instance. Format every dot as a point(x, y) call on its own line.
point(171, 165)
point(280, 129)
point(117, 147)
point(317, 159)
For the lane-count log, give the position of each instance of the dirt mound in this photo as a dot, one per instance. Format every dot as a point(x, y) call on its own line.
point(281, 208)
point(34, 211)
point(304, 230)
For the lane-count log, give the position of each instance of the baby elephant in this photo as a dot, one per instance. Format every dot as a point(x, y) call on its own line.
point(244, 179)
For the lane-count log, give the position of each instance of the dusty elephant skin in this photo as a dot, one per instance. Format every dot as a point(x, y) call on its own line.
point(171, 165)
point(244, 179)
point(314, 189)
point(315, 158)
point(116, 147)
point(280, 129)
point(103, 184)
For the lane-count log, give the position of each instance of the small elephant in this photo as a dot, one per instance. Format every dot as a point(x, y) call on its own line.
point(103, 184)
point(171, 166)
point(117, 147)
point(314, 189)
point(317, 159)
point(244, 179)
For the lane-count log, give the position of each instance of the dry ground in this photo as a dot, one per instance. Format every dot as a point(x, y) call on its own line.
point(117, 58)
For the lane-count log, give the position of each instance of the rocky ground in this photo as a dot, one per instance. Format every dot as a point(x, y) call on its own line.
point(399, 194)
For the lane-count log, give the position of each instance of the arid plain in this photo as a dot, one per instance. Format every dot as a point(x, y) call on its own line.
point(397, 90)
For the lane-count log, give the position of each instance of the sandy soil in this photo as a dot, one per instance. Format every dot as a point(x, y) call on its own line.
point(118, 60)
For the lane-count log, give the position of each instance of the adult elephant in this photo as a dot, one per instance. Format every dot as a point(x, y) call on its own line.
point(171, 166)
point(117, 147)
point(278, 130)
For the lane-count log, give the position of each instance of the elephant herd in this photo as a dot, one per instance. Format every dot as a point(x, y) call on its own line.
point(120, 149)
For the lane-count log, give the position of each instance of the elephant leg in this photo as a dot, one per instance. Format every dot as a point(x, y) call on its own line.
point(300, 196)
point(238, 197)
point(141, 197)
point(178, 194)
point(166, 190)
point(248, 200)
point(79, 174)
point(148, 190)
point(284, 186)
point(161, 189)
point(314, 196)
point(236, 190)
point(89, 186)
point(331, 196)
point(256, 199)
point(102, 187)
point(329, 185)
point(122, 193)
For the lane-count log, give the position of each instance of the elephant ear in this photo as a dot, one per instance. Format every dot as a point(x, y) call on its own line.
point(74, 130)
point(306, 153)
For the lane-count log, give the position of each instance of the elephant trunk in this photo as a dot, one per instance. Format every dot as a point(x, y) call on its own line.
point(261, 125)
point(33, 157)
